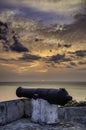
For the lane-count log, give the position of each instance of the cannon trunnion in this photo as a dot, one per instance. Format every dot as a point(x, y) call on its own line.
point(53, 96)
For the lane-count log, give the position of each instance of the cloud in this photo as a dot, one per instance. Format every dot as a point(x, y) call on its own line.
point(67, 45)
point(58, 11)
point(3, 31)
point(17, 46)
point(5, 35)
point(64, 45)
point(59, 58)
point(61, 6)
point(29, 57)
point(81, 63)
point(28, 10)
point(48, 10)
point(7, 4)
point(72, 64)
point(81, 21)
point(3, 59)
point(81, 53)
point(75, 31)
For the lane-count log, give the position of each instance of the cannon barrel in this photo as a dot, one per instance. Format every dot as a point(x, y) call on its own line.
point(53, 96)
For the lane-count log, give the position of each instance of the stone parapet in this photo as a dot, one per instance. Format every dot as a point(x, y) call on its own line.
point(11, 111)
point(73, 114)
point(16, 109)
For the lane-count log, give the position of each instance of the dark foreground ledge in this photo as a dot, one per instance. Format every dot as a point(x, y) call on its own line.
point(15, 115)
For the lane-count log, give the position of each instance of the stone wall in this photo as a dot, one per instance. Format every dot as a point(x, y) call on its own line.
point(17, 109)
point(11, 111)
point(73, 114)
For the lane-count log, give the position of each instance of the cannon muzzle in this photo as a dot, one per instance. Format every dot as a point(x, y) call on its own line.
point(53, 96)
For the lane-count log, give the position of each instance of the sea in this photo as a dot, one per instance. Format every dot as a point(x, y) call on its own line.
point(76, 89)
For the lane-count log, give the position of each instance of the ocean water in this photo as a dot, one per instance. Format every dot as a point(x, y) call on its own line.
point(76, 89)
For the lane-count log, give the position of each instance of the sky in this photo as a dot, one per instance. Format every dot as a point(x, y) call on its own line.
point(45, 40)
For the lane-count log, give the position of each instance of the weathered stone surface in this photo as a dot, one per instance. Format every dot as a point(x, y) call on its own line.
point(16, 109)
point(25, 124)
point(44, 112)
point(10, 111)
point(74, 114)
point(27, 108)
point(2, 113)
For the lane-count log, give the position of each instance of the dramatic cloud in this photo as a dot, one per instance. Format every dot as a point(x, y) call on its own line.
point(59, 58)
point(3, 31)
point(72, 64)
point(17, 46)
point(67, 45)
point(74, 32)
point(6, 36)
point(42, 39)
point(79, 24)
point(29, 57)
point(82, 63)
point(64, 45)
point(80, 53)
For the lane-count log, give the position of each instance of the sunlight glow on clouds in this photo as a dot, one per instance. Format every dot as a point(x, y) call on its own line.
point(38, 51)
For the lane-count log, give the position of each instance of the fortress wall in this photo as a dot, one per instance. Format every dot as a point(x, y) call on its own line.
point(17, 109)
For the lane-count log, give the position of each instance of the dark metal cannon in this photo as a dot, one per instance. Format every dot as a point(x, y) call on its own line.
point(53, 96)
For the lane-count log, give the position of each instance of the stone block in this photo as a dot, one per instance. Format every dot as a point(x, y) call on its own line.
point(11, 111)
point(27, 107)
point(44, 112)
point(72, 114)
point(15, 110)
point(75, 113)
point(2, 113)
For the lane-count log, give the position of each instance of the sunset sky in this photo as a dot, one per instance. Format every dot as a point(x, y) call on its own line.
point(51, 36)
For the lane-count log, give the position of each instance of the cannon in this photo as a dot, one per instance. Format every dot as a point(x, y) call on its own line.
point(53, 96)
